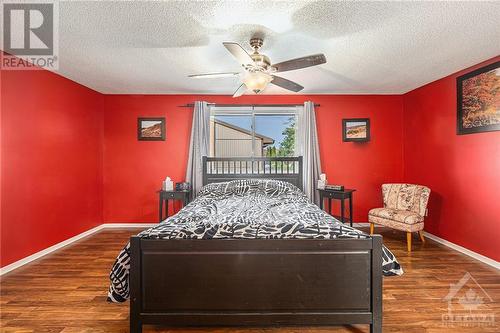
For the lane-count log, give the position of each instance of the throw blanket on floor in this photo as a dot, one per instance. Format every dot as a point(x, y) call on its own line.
point(248, 209)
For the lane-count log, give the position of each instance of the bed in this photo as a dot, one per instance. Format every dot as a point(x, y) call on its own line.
point(236, 270)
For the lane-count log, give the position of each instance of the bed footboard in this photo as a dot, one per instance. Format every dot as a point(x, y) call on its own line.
point(240, 282)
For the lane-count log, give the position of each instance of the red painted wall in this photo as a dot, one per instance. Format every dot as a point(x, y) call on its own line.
point(133, 170)
point(463, 171)
point(51, 152)
point(60, 139)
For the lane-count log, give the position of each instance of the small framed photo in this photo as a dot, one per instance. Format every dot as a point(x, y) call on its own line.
point(478, 100)
point(151, 129)
point(356, 130)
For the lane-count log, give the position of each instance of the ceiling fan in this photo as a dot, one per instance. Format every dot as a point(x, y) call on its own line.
point(258, 71)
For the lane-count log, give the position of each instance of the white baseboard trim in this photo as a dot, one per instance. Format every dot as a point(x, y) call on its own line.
point(48, 250)
point(491, 262)
point(68, 241)
point(128, 225)
point(38, 255)
point(361, 224)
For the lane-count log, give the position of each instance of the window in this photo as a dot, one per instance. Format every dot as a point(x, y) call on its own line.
point(253, 132)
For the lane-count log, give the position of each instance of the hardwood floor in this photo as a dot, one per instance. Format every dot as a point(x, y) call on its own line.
point(66, 291)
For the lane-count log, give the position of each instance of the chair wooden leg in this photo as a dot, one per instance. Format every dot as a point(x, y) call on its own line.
point(372, 225)
point(408, 241)
point(421, 234)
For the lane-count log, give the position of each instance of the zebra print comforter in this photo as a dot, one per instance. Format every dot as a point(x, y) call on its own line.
point(247, 209)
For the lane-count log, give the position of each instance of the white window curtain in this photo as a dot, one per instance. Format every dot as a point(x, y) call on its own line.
point(198, 146)
point(309, 149)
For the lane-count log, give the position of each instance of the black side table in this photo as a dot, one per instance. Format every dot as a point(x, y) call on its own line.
point(337, 195)
point(165, 196)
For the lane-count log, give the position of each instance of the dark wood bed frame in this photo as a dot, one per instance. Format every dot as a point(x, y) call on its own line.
point(255, 282)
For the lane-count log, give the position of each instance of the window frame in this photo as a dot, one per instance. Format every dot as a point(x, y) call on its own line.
point(254, 111)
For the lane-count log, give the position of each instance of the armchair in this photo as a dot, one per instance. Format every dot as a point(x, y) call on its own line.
point(405, 207)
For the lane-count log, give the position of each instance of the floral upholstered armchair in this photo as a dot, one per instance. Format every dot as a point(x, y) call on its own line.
point(405, 207)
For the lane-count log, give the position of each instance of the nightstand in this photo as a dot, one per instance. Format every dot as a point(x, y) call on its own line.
point(337, 195)
point(165, 196)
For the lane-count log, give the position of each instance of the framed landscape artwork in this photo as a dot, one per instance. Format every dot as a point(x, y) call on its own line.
point(478, 100)
point(356, 129)
point(151, 129)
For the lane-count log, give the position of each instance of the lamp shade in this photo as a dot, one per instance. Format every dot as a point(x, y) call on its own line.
point(257, 81)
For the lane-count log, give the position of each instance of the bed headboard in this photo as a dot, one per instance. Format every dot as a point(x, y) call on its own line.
point(223, 169)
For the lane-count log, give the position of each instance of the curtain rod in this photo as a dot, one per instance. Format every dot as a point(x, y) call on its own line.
point(190, 105)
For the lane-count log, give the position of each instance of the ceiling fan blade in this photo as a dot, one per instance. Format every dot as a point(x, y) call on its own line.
point(286, 84)
point(240, 91)
point(213, 75)
point(308, 61)
point(239, 53)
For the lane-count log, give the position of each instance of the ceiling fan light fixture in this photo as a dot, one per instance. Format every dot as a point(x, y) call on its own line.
point(258, 70)
point(256, 81)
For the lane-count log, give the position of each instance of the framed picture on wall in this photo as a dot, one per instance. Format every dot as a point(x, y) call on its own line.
point(356, 130)
point(478, 100)
point(151, 129)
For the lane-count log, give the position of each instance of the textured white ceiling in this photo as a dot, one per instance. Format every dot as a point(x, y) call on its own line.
point(371, 47)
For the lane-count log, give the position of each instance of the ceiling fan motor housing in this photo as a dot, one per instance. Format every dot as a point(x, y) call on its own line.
point(261, 61)
point(256, 43)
